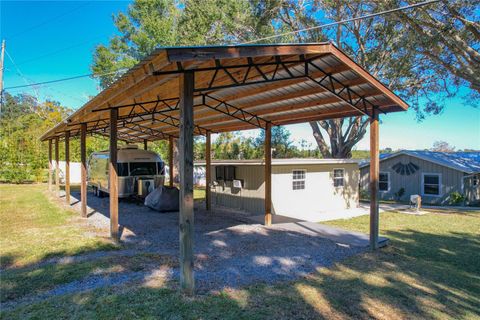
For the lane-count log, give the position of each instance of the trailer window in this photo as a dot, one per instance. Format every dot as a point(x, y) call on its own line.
point(143, 168)
point(161, 168)
point(122, 169)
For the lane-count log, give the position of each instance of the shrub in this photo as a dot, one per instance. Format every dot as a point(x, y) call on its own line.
point(364, 194)
point(456, 198)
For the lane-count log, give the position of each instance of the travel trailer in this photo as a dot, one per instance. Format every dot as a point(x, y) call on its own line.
point(139, 172)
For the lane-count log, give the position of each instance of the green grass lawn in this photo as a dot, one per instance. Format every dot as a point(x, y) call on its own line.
point(431, 269)
point(33, 228)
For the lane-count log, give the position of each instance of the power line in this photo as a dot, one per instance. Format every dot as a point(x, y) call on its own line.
point(67, 79)
point(346, 20)
point(20, 73)
point(253, 41)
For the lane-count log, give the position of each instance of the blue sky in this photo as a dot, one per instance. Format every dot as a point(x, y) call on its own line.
point(51, 40)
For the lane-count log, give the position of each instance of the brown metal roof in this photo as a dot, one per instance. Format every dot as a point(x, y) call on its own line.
point(236, 88)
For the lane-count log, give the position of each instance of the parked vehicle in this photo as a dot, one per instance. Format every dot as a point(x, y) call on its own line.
point(139, 171)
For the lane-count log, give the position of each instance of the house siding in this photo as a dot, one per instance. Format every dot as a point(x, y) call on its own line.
point(319, 193)
point(451, 180)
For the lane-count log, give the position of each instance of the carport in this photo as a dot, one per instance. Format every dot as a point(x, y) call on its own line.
point(180, 92)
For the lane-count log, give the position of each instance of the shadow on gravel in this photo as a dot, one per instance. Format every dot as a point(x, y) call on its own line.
point(400, 281)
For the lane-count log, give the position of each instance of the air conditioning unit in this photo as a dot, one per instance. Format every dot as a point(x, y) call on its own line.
point(145, 186)
point(237, 184)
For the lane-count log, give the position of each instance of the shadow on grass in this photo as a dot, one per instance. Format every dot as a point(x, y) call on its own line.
point(421, 275)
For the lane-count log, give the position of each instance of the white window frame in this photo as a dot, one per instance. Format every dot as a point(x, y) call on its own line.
point(388, 181)
point(304, 179)
point(440, 191)
point(343, 177)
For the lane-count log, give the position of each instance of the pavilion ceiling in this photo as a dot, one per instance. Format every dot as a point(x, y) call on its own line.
point(236, 88)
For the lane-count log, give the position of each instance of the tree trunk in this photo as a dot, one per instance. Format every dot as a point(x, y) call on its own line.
point(343, 137)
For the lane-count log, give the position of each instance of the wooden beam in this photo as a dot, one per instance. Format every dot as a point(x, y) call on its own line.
point(113, 176)
point(205, 53)
point(268, 174)
point(57, 168)
point(186, 84)
point(67, 167)
point(145, 144)
point(83, 159)
point(170, 161)
point(50, 165)
point(374, 177)
point(208, 173)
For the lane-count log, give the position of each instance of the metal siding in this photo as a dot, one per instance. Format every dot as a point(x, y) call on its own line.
point(451, 180)
point(251, 197)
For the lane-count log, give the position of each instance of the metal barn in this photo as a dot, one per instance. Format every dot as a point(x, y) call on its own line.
point(179, 92)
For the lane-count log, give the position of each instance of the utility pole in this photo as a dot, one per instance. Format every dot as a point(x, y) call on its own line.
point(2, 56)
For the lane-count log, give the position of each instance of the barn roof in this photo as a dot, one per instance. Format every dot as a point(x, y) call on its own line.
point(468, 162)
point(236, 88)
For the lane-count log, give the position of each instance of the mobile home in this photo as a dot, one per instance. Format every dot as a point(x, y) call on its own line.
point(139, 171)
point(303, 189)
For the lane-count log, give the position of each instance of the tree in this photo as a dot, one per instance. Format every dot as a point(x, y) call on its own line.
point(447, 35)
point(22, 156)
point(149, 24)
point(420, 56)
point(442, 146)
point(281, 143)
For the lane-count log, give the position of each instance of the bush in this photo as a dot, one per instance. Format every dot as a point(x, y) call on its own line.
point(364, 194)
point(456, 198)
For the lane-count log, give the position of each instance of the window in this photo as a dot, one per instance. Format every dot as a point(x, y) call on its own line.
point(298, 179)
point(143, 168)
point(161, 168)
point(384, 181)
point(229, 173)
point(431, 184)
point(219, 173)
point(225, 173)
point(122, 169)
point(475, 181)
point(338, 177)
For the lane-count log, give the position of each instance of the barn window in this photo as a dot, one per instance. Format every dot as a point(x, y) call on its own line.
point(431, 184)
point(298, 179)
point(338, 177)
point(384, 181)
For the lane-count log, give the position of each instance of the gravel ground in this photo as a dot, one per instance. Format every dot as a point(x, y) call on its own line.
point(230, 251)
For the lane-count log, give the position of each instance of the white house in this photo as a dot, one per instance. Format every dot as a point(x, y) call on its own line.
point(306, 189)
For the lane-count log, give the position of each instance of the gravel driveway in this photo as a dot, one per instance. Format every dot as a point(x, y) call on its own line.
point(230, 249)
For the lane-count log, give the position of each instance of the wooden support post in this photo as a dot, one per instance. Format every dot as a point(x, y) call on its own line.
point(170, 161)
point(268, 174)
point(186, 86)
point(145, 144)
point(57, 168)
point(67, 167)
point(83, 159)
point(50, 165)
point(374, 178)
point(208, 171)
point(113, 176)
